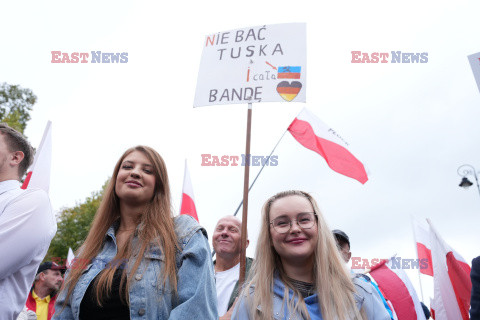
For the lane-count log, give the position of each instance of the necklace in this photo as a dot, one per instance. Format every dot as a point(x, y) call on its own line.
point(126, 229)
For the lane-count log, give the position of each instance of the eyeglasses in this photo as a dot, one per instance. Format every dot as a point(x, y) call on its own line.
point(305, 220)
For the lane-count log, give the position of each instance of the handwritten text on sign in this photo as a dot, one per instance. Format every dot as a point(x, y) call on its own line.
point(258, 64)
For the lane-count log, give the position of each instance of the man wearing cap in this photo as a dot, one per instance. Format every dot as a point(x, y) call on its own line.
point(27, 224)
point(42, 297)
point(343, 243)
point(363, 285)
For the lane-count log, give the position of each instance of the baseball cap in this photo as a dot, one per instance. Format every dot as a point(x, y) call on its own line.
point(49, 265)
point(342, 235)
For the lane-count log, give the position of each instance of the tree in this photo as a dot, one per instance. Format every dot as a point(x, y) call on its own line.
point(73, 225)
point(15, 105)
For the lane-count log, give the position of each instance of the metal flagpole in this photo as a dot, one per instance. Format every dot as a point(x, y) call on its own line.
point(243, 255)
point(258, 174)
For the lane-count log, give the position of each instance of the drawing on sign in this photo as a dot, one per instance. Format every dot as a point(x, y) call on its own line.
point(289, 72)
point(288, 91)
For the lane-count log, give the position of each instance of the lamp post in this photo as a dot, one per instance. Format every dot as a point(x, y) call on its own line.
point(465, 170)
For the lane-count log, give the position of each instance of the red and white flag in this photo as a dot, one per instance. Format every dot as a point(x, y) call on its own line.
point(315, 135)
point(421, 234)
point(38, 175)
point(397, 288)
point(188, 200)
point(451, 280)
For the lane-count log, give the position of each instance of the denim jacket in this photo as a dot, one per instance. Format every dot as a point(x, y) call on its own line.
point(365, 296)
point(196, 293)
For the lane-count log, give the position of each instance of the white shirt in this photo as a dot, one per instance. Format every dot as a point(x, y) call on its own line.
point(27, 225)
point(225, 282)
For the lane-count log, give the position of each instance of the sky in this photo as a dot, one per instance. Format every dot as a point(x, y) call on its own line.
point(412, 125)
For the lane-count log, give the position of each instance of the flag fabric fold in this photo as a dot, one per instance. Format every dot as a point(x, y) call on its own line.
point(315, 135)
point(451, 281)
point(38, 175)
point(188, 201)
point(422, 240)
point(398, 290)
point(70, 257)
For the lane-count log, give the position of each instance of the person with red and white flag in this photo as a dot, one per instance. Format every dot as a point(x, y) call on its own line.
point(397, 289)
point(188, 201)
point(315, 135)
point(451, 280)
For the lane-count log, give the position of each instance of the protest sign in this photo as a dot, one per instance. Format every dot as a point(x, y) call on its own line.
point(257, 64)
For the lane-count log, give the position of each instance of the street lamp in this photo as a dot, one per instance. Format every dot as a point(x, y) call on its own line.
point(464, 171)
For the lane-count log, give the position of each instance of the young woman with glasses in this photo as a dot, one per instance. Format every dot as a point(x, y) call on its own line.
point(298, 272)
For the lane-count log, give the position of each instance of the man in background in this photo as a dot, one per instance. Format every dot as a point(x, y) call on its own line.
point(42, 297)
point(27, 224)
point(379, 308)
point(226, 241)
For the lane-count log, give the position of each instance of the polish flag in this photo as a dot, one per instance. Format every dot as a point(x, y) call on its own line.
point(38, 175)
point(315, 135)
point(451, 281)
point(188, 201)
point(432, 308)
point(70, 257)
point(397, 288)
point(421, 234)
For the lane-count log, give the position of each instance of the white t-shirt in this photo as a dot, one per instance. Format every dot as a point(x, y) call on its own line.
point(225, 282)
point(27, 225)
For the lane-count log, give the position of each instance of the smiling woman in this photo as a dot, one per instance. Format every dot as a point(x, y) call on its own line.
point(298, 272)
point(156, 266)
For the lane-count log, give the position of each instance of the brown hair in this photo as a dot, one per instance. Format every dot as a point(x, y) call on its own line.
point(17, 142)
point(333, 285)
point(155, 226)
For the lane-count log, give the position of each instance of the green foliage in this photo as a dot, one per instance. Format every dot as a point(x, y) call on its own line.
point(15, 105)
point(73, 225)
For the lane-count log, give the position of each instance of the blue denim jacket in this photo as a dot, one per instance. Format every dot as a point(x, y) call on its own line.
point(365, 296)
point(195, 286)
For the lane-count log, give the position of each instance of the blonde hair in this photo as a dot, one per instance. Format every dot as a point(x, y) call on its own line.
point(155, 226)
point(333, 285)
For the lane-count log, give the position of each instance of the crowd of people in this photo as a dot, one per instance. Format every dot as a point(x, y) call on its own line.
point(140, 261)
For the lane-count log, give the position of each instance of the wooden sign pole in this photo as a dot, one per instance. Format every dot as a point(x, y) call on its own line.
point(243, 255)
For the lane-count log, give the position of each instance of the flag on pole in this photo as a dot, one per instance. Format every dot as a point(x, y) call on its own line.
point(397, 288)
point(38, 175)
point(315, 135)
point(70, 258)
point(188, 200)
point(421, 234)
point(451, 280)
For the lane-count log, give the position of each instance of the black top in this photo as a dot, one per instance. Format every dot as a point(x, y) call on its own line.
point(113, 307)
point(306, 289)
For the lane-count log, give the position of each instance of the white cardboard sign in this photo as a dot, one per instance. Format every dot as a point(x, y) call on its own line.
point(264, 63)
